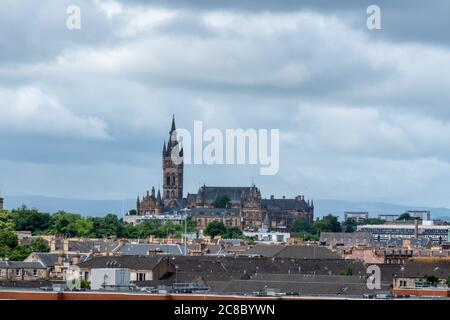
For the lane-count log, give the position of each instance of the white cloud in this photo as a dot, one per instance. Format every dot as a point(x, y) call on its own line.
point(371, 132)
point(29, 110)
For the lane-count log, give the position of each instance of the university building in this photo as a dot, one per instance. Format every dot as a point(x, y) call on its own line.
point(246, 208)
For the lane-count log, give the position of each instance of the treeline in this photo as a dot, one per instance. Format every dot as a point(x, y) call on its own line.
point(74, 225)
point(303, 229)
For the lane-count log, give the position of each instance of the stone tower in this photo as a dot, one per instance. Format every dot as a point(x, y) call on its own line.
point(172, 171)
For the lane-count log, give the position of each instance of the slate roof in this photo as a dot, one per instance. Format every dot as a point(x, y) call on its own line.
point(264, 250)
point(297, 252)
point(210, 193)
point(49, 259)
point(129, 262)
point(88, 245)
point(307, 252)
point(310, 286)
point(276, 205)
point(25, 284)
point(21, 265)
point(196, 212)
point(220, 268)
point(420, 268)
point(346, 238)
point(142, 249)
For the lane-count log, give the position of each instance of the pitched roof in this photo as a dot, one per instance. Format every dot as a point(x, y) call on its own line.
point(237, 267)
point(235, 194)
point(330, 286)
point(25, 284)
point(346, 238)
point(21, 265)
point(49, 259)
point(129, 262)
point(296, 252)
point(420, 268)
point(264, 250)
point(142, 249)
point(277, 205)
point(214, 212)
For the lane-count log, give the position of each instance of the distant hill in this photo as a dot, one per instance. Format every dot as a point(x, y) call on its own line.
point(83, 207)
point(336, 207)
point(103, 207)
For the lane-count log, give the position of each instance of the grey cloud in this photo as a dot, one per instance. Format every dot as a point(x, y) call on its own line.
point(253, 73)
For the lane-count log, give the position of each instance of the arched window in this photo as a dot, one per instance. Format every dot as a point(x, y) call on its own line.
point(168, 180)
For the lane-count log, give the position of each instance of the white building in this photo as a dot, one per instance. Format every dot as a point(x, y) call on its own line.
point(420, 214)
point(263, 235)
point(382, 232)
point(110, 279)
point(357, 216)
point(163, 218)
point(388, 217)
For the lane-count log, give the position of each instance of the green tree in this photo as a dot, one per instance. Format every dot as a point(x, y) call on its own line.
point(19, 253)
point(39, 245)
point(130, 231)
point(233, 233)
point(349, 225)
point(302, 225)
point(222, 202)
point(328, 223)
point(347, 272)
point(215, 228)
point(65, 223)
point(108, 226)
point(431, 279)
point(405, 217)
point(302, 228)
point(6, 222)
point(26, 219)
point(8, 239)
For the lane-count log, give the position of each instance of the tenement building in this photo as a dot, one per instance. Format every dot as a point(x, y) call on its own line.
point(236, 206)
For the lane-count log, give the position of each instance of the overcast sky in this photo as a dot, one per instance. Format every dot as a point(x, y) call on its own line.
point(363, 115)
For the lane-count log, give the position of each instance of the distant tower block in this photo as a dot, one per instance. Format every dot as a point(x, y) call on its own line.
point(1, 203)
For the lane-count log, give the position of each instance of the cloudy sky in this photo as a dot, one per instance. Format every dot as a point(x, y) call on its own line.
point(363, 115)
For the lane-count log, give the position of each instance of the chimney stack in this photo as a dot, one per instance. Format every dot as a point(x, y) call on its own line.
point(416, 228)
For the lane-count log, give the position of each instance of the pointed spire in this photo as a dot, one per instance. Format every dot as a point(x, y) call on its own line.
point(173, 128)
point(159, 195)
point(164, 148)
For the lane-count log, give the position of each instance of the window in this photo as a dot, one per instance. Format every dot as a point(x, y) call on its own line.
point(35, 273)
point(140, 276)
point(18, 272)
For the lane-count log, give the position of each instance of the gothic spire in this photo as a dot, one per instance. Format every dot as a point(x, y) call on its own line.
point(164, 148)
point(173, 128)
point(158, 198)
